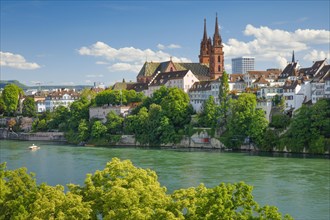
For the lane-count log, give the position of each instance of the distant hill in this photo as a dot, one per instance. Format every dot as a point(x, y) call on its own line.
point(3, 83)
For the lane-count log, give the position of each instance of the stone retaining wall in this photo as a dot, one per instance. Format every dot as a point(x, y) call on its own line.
point(38, 136)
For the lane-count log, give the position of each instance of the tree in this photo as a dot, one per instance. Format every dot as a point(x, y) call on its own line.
point(88, 94)
point(22, 198)
point(60, 119)
point(98, 130)
point(83, 130)
point(2, 105)
point(29, 107)
point(309, 128)
point(122, 191)
point(280, 121)
point(245, 120)
point(114, 123)
point(10, 96)
point(11, 123)
point(224, 98)
point(177, 108)
point(210, 114)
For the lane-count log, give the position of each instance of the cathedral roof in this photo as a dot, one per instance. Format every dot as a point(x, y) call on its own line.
point(162, 78)
point(201, 86)
point(201, 71)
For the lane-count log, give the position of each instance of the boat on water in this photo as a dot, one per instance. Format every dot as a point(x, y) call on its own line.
point(34, 147)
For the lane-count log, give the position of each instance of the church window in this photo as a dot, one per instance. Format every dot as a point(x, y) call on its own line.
point(218, 58)
point(219, 68)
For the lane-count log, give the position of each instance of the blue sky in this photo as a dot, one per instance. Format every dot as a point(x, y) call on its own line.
point(81, 42)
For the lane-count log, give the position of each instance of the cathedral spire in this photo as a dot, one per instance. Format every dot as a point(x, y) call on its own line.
point(293, 60)
point(216, 37)
point(205, 34)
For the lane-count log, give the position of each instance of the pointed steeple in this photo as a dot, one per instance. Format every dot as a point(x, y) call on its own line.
point(216, 37)
point(293, 60)
point(205, 34)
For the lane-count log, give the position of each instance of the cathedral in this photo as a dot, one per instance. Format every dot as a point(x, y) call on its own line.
point(210, 66)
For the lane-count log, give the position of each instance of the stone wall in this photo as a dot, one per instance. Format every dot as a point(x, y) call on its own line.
point(38, 136)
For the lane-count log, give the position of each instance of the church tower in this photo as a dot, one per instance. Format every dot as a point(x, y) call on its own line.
point(204, 55)
point(217, 55)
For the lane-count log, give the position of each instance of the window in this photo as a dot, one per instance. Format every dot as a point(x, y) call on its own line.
point(219, 68)
point(219, 60)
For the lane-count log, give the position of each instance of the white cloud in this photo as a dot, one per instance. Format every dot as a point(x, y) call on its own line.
point(315, 55)
point(276, 45)
point(16, 61)
point(128, 58)
point(170, 46)
point(94, 76)
point(282, 61)
point(101, 63)
point(161, 46)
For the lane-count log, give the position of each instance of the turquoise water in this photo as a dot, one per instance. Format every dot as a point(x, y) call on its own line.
point(297, 186)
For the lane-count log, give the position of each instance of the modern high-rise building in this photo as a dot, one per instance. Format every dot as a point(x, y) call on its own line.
point(242, 64)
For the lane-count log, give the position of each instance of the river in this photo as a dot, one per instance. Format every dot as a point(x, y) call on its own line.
point(298, 186)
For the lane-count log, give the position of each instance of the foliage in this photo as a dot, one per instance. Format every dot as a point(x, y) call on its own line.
point(88, 94)
point(310, 128)
point(114, 123)
point(224, 98)
point(245, 121)
point(210, 114)
point(280, 121)
point(39, 125)
point(116, 97)
point(2, 105)
point(98, 130)
point(60, 118)
point(29, 107)
point(83, 130)
point(22, 198)
point(10, 96)
point(161, 118)
point(123, 191)
point(11, 123)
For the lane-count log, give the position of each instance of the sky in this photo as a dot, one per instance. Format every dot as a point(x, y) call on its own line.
point(82, 42)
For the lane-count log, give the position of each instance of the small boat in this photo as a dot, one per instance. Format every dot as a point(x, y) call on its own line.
point(34, 147)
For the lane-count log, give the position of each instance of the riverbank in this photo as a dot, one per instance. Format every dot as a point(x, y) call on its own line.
point(195, 142)
point(38, 136)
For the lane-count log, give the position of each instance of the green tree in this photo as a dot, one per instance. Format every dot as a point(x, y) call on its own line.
point(10, 96)
point(245, 121)
point(22, 198)
point(83, 130)
point(177, 108)
point(88, 94)
point(79, 110)
point(122, 191)
point(98, 130)
point(309, 128)
point(114, 123)
point(210, 113)
point(60, 119)
point(29, 107)
point(280, 121)
point(2, 105)
point(224, 99)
